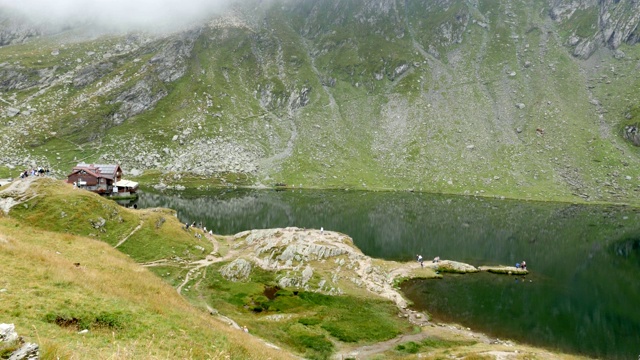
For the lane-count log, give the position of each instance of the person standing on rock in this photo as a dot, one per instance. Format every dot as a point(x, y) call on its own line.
point(420, 260)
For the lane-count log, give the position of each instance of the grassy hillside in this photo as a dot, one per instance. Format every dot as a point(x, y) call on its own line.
point(58, 284)
point(448, 96)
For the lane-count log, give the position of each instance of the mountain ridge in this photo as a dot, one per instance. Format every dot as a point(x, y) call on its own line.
point(468, 97)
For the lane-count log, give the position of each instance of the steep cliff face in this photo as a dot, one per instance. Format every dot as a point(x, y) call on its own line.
point(15, 29)
point(597, 23)
point(455, 96)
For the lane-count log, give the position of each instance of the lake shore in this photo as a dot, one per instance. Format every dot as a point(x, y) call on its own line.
point(364, 276)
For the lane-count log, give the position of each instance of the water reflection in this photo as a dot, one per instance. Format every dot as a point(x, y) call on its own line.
point(585, 260)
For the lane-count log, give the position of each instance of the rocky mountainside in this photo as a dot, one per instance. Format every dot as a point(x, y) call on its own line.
point(532, 99)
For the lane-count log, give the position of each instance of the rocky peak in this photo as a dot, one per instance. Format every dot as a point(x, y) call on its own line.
point(595, 24)
point(16, 30)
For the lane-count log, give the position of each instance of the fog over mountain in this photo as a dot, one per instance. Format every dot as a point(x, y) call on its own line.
point(128, 14)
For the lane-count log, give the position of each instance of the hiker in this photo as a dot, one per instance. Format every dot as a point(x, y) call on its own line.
point(517, 265)
point(245, 329)
point(436, 259)
point(523, 265)
point(321, 230)
point(421, 260)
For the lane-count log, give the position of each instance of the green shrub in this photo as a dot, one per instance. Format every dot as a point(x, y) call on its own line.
point(115, 320)
point(318, 346)
point(410, 347)
point(310, 321)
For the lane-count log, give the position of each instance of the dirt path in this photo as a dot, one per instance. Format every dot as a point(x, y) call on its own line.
point(364, 352)
point(199, 264)
point(131, 233)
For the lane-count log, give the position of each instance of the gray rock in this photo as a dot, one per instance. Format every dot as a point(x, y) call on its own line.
point(28, 351)
point(8, 333)
point(619, 54)
point(632, 134)
point(11, 112)
point(98, 223)
point(520, 105)
point(90, 74)
point(307, 273)
point(170, 63)
point(139, 98)
point(237, 270)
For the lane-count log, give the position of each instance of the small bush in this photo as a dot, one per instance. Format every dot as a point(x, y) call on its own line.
point(409, 348)
point(441, 343)
point(310, 321)
point(114, 320)
point(317, 346)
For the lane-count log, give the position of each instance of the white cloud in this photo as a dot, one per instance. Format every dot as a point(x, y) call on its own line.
point(116, 13)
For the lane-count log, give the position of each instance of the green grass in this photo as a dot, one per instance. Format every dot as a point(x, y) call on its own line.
point(412, 347)
point(61, 208)
point(75, 211)
point(314, 321)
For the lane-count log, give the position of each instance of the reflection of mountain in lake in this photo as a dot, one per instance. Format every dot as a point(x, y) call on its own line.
point(398, 225)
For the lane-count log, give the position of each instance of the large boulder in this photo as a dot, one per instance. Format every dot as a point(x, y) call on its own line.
point(237, 270)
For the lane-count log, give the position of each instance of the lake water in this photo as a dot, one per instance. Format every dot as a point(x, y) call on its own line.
point(583, 293)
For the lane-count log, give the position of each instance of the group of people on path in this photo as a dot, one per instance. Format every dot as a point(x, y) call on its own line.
point(34, 172)
point(421, 259)
point(194, 225)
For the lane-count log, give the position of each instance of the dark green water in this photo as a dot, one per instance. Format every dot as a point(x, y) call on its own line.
point(583, 294)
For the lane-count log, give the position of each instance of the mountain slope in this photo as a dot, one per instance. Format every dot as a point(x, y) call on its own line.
point(470, 97)
point(56, 284)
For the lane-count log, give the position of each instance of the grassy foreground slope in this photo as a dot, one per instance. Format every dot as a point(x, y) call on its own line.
point(130, 312)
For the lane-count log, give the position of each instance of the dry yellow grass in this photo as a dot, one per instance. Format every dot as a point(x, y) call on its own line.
point(48, 273)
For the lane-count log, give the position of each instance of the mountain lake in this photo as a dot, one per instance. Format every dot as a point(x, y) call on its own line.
point(582, 295)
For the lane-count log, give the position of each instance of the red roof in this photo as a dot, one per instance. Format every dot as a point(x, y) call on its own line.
point(98, 170)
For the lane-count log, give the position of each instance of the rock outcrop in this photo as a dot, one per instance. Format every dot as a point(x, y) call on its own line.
point(631, 133)
point(298, 254)
point(614, 23)
point(9, 340)
point(16, 30)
